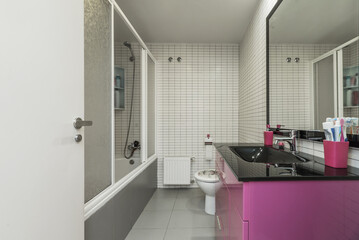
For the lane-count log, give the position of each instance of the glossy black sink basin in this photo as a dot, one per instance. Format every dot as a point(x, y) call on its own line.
point(262, 154)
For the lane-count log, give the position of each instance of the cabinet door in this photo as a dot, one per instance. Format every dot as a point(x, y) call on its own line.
point(222, 210)
point(238, 229)
point(219, 161)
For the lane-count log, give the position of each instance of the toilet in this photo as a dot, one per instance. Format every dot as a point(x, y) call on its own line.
point(208, 181)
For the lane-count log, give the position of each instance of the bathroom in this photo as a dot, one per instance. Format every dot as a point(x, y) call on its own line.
point(159, 114)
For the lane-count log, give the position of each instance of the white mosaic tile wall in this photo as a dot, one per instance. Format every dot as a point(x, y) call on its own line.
point(252, 77)
point(122, 55)
point(290, 83)
point(196, 96)
point(351, 55)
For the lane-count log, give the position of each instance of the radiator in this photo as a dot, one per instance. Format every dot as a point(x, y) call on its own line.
point(177, 171)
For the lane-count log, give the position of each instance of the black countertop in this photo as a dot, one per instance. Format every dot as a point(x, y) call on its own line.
point(314, 169)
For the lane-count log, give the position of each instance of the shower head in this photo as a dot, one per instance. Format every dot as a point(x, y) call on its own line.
point(127, 44)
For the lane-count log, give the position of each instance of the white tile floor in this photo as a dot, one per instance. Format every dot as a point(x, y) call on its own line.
point(173, 214)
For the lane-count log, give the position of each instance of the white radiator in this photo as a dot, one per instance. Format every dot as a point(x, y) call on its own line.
point(177, 171)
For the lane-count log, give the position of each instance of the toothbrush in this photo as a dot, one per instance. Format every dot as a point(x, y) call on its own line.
point(348, 124)
point(342, 130)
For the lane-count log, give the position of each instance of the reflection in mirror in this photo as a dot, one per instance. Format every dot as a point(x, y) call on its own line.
point(350, 56)
point(313, 62)
point(127, 98)
point(323, 83)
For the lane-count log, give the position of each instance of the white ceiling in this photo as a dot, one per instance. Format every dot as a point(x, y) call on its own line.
point(315, 22)
point(189, 21)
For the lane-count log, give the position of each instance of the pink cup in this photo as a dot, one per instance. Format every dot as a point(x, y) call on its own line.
point(336, 154)
point(268, 138)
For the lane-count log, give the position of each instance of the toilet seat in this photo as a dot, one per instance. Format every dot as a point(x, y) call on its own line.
point(209, 176)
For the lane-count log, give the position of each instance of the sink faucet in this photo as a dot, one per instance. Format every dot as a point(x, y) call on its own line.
point(291, 140)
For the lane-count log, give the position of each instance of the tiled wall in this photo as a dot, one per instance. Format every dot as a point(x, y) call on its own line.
point(252, 76)
point(122, 55)
point(196, 96)
point(351, 55)
point(290, 83)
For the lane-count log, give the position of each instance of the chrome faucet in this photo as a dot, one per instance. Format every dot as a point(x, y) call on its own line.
point(292, 140)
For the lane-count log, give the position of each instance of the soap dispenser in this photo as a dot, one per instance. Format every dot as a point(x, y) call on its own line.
point(208, 142)
point(268, 137)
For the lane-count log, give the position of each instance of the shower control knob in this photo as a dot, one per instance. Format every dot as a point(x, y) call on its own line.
point(78, 138)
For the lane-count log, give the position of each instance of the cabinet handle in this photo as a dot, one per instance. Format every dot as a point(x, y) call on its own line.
point(219, 223)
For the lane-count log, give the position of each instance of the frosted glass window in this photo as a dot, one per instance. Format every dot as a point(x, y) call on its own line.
point(98, 98)
point(151, 108)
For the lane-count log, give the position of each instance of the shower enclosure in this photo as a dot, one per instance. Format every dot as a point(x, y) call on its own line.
point(98, 96)
point(120, 99)
point(127, 56)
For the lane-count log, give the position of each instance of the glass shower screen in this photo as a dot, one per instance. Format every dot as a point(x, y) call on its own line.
point(98, 96)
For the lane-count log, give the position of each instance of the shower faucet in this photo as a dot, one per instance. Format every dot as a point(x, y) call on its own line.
point(134, 146)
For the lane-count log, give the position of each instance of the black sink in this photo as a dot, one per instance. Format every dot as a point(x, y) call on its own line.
point(262, 154)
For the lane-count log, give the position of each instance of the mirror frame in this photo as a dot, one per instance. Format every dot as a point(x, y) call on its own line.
point(312, 135)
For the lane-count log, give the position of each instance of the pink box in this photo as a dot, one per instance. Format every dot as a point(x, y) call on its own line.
point(268, 138)
point(336, 154)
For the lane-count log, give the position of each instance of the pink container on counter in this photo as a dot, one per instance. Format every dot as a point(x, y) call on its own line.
point(336, 154)
point(268, 138)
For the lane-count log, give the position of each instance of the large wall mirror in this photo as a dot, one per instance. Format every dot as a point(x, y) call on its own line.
point(312, 63)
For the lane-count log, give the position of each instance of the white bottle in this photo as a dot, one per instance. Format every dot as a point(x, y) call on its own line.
point(349, 97)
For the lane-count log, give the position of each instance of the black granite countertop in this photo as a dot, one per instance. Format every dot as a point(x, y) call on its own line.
point(314, 169)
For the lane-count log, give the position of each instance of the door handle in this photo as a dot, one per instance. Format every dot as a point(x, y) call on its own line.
point(219, 223)
point(79, 123)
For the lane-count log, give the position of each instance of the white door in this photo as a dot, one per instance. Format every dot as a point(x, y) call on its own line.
point(41, 92)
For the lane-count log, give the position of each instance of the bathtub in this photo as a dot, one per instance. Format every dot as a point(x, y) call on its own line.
point(124, 167)
point(124, 174)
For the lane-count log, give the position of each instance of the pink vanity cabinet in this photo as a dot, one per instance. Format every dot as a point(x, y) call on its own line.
point(285, 210)
point(229, 221)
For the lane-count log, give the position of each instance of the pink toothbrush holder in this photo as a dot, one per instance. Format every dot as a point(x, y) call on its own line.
point(336, 154)
point(268, 138)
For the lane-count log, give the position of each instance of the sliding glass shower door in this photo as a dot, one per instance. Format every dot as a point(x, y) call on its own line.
point(119, 87)
point(98, 96)
point(325, 104)
point(151, 107)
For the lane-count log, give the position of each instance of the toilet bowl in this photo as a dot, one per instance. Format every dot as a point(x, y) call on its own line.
point(208, 181)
